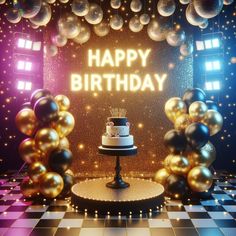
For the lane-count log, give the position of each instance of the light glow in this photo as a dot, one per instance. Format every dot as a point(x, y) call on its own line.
point(24, 85)
point(97, 82)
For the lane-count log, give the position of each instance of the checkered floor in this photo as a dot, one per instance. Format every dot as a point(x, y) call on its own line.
point(212, 217)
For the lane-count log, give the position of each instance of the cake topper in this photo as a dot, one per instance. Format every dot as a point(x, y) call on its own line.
point(118, 112)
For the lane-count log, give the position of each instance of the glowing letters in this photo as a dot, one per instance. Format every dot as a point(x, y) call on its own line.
point(115, 81)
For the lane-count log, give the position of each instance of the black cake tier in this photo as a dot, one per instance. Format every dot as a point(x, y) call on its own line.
point(118, 121)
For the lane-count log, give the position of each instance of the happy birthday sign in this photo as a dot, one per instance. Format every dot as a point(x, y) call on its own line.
point(131, 59)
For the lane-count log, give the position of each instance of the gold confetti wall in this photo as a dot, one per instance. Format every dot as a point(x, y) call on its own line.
point(145, 109)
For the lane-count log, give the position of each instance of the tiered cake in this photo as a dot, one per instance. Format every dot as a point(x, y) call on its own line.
point(117, 131)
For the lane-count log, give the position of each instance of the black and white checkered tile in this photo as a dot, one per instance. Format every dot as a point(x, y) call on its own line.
point(212, 217)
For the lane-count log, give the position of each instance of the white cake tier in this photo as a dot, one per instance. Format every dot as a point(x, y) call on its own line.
point(117, 141)
point(117, 130)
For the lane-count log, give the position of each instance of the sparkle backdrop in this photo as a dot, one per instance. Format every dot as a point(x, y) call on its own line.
point(145, 110)
point(10, 98)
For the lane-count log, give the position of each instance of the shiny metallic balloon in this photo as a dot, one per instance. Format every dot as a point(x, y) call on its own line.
point(64, 1)
point(63, 102)
point(208, 8)
point(175, 107)
point(51, 1)
point(158, 30)
point(166, 162)
point(28, 8)
point(176, 37)
point(204, 25)
point(64, 143)
point(197, 111)
point(50, 50)
point(69, 26)
point(210, 148)
point(115, 4)
point(144, 19)
point(228, 2)
point(36, 170)
point(80, 7)
point(33, 25)
point(43, 16)
point(26, 121)
point(184, 1)
point(59, 40)
point(13, 15)
point(192, 17)
point(84, 34)
point(135, 24)
point(161, 176)
point(51, 184)
point(116, 22)
point(186, 49)
point(201, 157)
point(179, 165)
point(214, 121)
point(29, 188)
point(136, 5)
point(166, 7)
point(65, 123)
point(200, 179)
point(46, 140)
point(102, 29)
point(182, 122)
point(95, 14)
point(28, 151)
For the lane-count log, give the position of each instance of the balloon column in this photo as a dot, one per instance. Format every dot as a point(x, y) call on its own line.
point(186, 168)
point(46, 121)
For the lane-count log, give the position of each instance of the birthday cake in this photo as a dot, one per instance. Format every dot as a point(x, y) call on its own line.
point(117, 131)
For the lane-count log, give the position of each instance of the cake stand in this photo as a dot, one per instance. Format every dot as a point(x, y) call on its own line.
point(117, 196)
point(118, 182)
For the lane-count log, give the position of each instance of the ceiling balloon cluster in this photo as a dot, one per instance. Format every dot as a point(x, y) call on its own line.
point(86, 16)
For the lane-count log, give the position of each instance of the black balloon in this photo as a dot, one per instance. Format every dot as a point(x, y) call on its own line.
point(211, 105)
point(46, 109)
point(26, 105)
point(175, 141)
point(68, 183)
point(176, 186)
point(193, 95)
point(197, 135)
point(37, 94)
point(60, 160)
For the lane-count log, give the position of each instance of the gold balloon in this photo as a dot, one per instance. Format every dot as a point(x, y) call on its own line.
point(63, 102)
point(65, 123)
point(200, 179)
point(64, 143)
point(182, 122)
point(214, 121)
point(36, 170)
point(210, 148)
point(51, 184)
point(179, 165)
point(166, 162)
point(46, 139)
point(197, 111)
point(70, 172)
point(175, 107)
point(28, 151)
point(201, 157)
point(161, 176)
point(26, 121)
point(29, 188)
